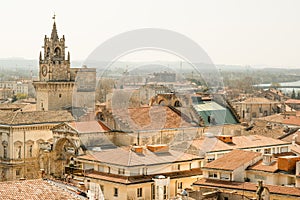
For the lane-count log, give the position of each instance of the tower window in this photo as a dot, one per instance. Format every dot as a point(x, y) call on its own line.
point(59, 95)
point(57, 51)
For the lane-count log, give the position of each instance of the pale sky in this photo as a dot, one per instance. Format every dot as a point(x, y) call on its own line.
point(250, 32)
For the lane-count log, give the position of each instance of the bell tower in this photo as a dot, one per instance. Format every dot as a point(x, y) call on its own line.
point(54, 66)
point(56, 79)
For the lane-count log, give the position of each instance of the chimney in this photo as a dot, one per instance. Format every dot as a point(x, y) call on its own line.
point(137, 149)
point(267, 159)
point(287, 163)
point(225, 138)
point(157, 148)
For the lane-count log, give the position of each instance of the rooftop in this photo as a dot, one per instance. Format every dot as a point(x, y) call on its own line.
point(89, 127)
point(124, 156)
point(259, 166)
point(232, 160)
point(34, 117)
point(274, 189)
point(238, 142)
point(139, 179)
point(256, 100)
point(34, 189)
point(151, 118)
point(292, 101)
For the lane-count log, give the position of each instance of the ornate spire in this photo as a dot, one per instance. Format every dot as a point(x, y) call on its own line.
point(54, 35)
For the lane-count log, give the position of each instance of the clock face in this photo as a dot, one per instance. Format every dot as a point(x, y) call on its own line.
point(44, 70)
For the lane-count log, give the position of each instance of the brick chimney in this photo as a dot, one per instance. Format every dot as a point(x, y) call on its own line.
point(225, 138)
point(137, 149)
point(158, 148)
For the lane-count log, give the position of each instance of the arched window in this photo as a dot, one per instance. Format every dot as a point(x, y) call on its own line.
point(57, 51)
point(19, 149)
point(48, 52)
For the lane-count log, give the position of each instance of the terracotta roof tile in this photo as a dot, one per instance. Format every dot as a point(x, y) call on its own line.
point(238, 142)
point(259, 166)
point(141, 178)
point(89, 127)
point(126, 157)
point(34, 189)
point(258, 100)
point(34, 117)
point(232, 160)
point(151, 118)
point(274, 189)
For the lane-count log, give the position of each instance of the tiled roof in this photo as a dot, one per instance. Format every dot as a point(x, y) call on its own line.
point(34, 117)
point(126, 157)
point(292, 101)
point(151, 118)
point(258, 100)
point(274, 189)
point(232, 160)
point(141, 178)
point(89, 127)
point(34, 189)
point(292, 120)
point(259, 166)
point(238, 142)
point(295, 148)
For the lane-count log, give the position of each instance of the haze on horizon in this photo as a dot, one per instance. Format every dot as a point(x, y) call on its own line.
point(250, 32)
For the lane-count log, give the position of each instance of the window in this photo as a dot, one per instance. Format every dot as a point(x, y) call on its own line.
point(284, 149)
point(5, 151)
point(19, 152)
point(121, 171)
point(145, 171)
point(178, 167)
point(59, 95)
point(18, 172)
point(212, 175)
point(165, 192)
point(225, 176)
point(139, 192)
point(153, 191)
point(116, 192)
point(267, 151)
point(179, 186)
point(108, 169)
point(30, 151)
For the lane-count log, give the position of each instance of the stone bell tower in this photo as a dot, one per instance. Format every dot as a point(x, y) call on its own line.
point(56, 79)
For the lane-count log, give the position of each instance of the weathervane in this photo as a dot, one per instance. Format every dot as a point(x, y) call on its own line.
point(54, 17)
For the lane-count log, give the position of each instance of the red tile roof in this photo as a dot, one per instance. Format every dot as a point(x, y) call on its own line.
point(274, 189)
point(238, 142)
point(141, 178)
point(232, 160)
point(259, 166)
point(126, 157)
point(89, 127)
point(151, 118)
point(34, 189)
point(292, 101)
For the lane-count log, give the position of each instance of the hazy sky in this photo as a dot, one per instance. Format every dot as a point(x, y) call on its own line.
point(254, 32)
